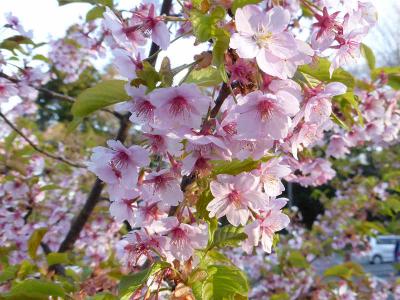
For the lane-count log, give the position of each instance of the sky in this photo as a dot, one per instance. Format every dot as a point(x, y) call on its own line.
point(47, 19)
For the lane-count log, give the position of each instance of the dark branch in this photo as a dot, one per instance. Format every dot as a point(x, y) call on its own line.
point(93, 198)
point(37, 148)
point(55, 94)
point(59, 269)
point(223, 94)
point(189, 179)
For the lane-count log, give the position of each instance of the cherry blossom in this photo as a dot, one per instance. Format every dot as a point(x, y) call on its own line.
point(234, 196)
point(263, 36)
point(118, 164)
point(163, 185)
point(263, 228)
point(262, 115)
point(179, 107)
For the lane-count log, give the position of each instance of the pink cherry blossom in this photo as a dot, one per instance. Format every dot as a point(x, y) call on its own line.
point(179, 107)
point(262, 36)
point(127, 35)
point(372, 107)
point(163, 185)
point(234, 196)
point(138, 246)
point(140, 106)
point(348, 49)
point(262, 115)
point(263, 228)
point(7, 90)
point(271, 174)
point(118, 164)
point(256, 149)
point(148, 212)
point(16, 189)
point(149, 24)
point(319, 108)
point(13, 23)
point(184, 238)
point(338, 147)
point(126, 64)
point(124, 209)
point(162, 142)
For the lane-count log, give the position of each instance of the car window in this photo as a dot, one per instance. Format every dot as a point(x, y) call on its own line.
point(386, 241)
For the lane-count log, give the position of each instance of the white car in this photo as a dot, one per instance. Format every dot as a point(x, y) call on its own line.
point(382, 248)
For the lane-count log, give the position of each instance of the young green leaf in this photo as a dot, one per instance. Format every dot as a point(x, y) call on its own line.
point(34, 241)
point(369, 56)
point(102, 95)
point(209, 76)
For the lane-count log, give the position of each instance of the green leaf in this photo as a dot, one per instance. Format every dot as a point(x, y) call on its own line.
point(369, 56)
point(345, 271)
point(201, 204)
point(35, 289)
point(297, 260)
point(95, 13)
point(202, 5)
point(149, 76)
point(393, 203)
point(205, 25)
point(227, 236)
point(339, 121)
point(225, 282)
point(41, 57)
point(393, 74)
point(57, 258)
point(348, 102)
point(320, 71)
point(14, 43)
point(9, 273)
point(50, 187)
point(167, 76)
point(103, 296)
point(221, 39)
point(234, 167)
point(64, 2)
point(8, 141)
point(102, 95)
point(26, 269)
point(280, 296)
point(129, 284)
point(34, 241)
point(240, 3)
point(209, 76)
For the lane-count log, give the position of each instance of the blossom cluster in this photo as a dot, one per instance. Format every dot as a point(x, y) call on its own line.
point(184, 134)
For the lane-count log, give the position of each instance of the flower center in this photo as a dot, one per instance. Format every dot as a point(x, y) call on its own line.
point(179, 237)
point(265, 108)
point(144, 109)
point(262, 38)
point(234, 198)
point(118, 162)
point(178, 106)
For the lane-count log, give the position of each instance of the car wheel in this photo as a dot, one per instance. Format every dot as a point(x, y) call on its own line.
point(377, 259)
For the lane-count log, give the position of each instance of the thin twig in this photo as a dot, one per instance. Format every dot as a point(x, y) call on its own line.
point(189, 179)
point(55, 94)
point(37, 148)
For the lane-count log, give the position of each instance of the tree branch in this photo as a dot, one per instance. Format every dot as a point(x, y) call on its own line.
point(223, 94)
point(93, 198)
point(189, 179)
point(40, 150)
point(55, 94)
